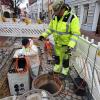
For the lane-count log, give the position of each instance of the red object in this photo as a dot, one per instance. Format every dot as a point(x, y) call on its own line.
point(48, 45)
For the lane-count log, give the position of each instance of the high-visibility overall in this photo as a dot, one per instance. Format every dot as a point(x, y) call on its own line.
point(66, 32)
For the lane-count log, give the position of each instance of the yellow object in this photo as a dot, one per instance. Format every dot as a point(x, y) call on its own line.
point(98, 53)
point(0, 19)
point(39, 21)
point(14, 19)
point(3, 19)
point(27, 21)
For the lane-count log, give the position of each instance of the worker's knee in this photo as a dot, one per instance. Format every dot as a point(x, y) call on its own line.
point(57, 60)
point(66, 63)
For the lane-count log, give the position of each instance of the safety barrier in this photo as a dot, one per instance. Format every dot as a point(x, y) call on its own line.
point(86, 60)
point(21, 30)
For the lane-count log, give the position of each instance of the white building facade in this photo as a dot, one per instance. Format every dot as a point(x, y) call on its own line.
point(89, 13)
point(38, 8)
point(33, 11)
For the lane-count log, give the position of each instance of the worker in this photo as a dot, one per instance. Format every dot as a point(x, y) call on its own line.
point(66, 30)
point(24, 55)
point(28, 47)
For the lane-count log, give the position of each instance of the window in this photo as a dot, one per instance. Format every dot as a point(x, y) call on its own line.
point(85, 16)
point(76, 10)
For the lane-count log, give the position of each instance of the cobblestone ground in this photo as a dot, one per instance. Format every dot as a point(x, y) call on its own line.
point(6, 47)
point(68, 93)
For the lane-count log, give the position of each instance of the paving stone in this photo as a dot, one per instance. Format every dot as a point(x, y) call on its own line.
point(66, 88)
point(79, 97)
point(76, 97)
point(68, 97)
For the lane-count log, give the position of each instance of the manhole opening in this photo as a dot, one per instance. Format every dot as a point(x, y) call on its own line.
point(50, 83)
point(50, 87)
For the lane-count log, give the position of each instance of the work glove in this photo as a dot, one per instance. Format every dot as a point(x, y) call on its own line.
point(41, 38)
point(68, 49)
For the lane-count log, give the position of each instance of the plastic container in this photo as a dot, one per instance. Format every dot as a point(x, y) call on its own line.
point(35, 69)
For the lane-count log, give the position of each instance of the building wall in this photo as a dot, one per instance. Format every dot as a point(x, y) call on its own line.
point(5, 8)
point(33, 11)
point(93, 13)
point(38, 8)
point(0, 8)
point(32, 1)
point(42, 7)
point(45, 5)
point(50, 9)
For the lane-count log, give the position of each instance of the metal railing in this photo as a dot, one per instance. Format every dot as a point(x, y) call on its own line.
point(86, 60)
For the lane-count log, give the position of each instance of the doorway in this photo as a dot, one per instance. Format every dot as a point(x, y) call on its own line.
point(98, 26)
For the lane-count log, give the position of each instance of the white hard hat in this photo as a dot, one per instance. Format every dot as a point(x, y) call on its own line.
point(57, 4)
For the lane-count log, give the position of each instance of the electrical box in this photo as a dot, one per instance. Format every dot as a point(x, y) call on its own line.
point(18, 83)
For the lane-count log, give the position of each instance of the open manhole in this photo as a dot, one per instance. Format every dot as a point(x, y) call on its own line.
point(50, 83)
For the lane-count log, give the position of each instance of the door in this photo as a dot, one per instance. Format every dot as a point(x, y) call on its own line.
point(98, 26)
